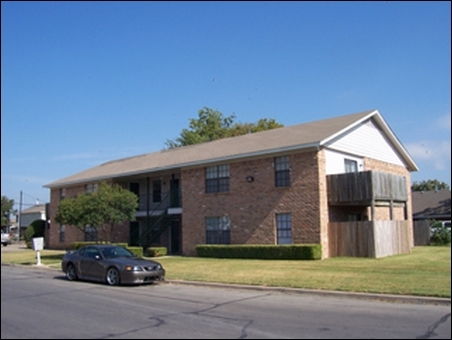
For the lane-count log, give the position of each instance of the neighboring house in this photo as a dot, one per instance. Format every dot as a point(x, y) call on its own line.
point(31, 214)
point(342, 182)
point(427, 207)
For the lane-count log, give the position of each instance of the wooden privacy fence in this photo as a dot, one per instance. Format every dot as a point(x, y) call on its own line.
point(369, 238)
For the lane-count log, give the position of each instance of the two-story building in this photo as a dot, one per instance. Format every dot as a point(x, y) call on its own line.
point(342, 182)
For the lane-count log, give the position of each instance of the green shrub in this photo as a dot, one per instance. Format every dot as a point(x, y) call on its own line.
point(273, 252)
point(156, 251)
point(440, 234)
point(35, 229)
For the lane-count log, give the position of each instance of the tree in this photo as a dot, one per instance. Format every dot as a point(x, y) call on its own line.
point(103, 209)
point(7, 210)
point(429, 185)
point(212, 125)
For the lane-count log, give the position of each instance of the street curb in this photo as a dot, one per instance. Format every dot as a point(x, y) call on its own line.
point(338, 294)
point(422, 300)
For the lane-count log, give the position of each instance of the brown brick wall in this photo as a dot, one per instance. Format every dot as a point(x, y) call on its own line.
point(251, 207)
point(73, 234)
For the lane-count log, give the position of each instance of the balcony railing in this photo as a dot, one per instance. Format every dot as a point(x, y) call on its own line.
point(365, 187)
point(160, 202)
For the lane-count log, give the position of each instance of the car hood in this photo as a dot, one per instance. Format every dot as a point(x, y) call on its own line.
point(133, 261)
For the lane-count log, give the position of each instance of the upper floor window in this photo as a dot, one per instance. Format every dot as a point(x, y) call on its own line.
point(218, 230)
point(62, 192)
point(217, 178)
point(350, 165)
point(91, 187)
point(282, 171)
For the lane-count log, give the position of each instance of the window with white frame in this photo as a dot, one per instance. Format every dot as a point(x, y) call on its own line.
point(350, 165)
point(218, 230)
point(217, 178)
point(282, 171)
point(284, 228)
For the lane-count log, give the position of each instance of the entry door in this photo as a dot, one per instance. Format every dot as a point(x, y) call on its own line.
point(174, 192)
point(134, 233)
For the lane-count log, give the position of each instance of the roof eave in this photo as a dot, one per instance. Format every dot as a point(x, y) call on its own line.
point(308, 146)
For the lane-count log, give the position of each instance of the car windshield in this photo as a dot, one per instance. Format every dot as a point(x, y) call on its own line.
point(114, 252)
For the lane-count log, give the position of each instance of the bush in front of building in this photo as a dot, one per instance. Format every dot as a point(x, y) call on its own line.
point(268, 252)
point(35, 229)
point(78, 245)
point(156, 251)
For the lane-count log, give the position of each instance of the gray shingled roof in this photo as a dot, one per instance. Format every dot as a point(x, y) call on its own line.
point(295, 137)
point(431, 204)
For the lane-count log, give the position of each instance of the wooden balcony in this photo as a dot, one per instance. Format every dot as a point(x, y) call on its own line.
point(365, 188)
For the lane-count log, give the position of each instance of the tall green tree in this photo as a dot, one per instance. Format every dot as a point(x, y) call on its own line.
point(211, 125)
point(7, 210)
point(102, 209)
point(429, 185)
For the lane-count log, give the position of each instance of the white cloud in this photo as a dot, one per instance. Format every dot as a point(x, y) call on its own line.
point(437, 152)
point(443, 122)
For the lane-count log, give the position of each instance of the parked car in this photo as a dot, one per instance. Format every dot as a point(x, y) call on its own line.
point(111, 264)
point(5, 239)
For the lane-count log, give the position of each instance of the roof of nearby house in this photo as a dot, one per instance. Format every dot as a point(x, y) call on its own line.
point(290, 138)
point(435, 204)
point(35, 209)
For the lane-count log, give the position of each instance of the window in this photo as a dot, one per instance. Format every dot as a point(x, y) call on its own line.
point(62, 192)
point(218, 230)
point(217, 178)
point(90, 233)
point(350, 165)
point(282, 171)
point(284, 228)
point(62, 231)
point(91, 187)
point(156, 191)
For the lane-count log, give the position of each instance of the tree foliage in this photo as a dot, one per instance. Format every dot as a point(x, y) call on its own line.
point(211, 125)
point(429, 185)
point(103, 209)
point(35, 229)
point(7, 210)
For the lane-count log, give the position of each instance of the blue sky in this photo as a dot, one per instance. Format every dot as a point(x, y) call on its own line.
point(83, 83)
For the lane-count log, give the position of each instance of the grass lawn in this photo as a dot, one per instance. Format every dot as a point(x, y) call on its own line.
point(424, 272)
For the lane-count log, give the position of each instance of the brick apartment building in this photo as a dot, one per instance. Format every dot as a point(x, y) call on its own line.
point(342, 182)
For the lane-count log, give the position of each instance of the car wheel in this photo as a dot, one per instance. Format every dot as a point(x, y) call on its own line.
point(112, 277)
point(71, 273)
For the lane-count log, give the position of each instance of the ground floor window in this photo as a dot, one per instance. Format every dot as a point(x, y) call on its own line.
point(218, 230)
point(62, 232)
point(284, 228)
point(91, 234)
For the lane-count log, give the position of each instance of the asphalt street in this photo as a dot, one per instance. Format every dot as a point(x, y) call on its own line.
point(364, 296)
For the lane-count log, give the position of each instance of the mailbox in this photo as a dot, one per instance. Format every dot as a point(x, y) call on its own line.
point(38, 243)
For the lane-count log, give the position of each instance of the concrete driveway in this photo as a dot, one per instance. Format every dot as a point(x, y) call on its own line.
point(15, 246)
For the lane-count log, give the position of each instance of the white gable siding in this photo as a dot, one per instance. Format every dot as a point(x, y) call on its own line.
point(366, 140)
point(335, 162)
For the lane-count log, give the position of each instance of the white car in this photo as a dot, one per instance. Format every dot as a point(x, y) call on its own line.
point(5, 239)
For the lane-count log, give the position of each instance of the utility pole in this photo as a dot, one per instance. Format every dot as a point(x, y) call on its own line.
point(18, 219)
